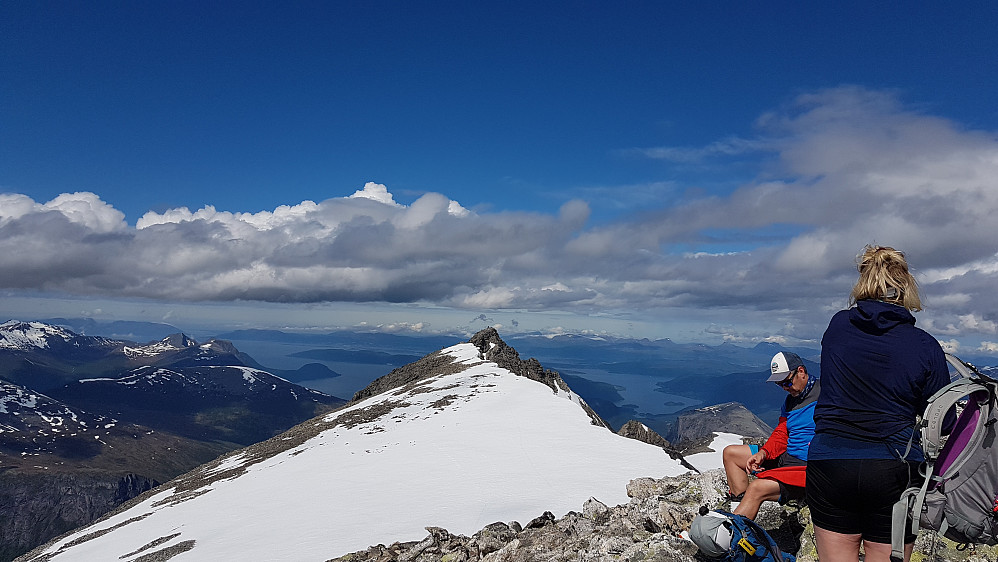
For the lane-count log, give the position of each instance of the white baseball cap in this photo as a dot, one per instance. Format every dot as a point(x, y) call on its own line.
point(783, 364)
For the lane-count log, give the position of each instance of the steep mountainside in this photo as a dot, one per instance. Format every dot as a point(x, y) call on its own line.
point(459, 441)
point(153, 411)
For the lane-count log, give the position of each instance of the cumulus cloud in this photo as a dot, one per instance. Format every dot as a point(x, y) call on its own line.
point(376, 192)
point(82, 208)
point(950, 346)
point(837, 169)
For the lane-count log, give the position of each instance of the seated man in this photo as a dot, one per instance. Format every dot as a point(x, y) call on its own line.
point(787, 446)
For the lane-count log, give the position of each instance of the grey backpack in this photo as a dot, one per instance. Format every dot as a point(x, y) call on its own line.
point(959, 497)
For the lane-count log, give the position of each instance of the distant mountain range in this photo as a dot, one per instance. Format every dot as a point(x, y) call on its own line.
point(110, 418)
point(653, 381)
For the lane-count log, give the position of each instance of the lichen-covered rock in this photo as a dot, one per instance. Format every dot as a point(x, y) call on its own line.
point(647, 528)
point(651, 527)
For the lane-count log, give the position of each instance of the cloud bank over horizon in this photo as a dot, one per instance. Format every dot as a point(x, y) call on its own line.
point(833, 170)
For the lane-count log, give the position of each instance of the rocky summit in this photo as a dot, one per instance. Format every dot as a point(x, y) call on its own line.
point(651, 527)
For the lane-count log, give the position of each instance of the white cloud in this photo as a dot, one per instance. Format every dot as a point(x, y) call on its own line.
point(988, 346)
point(83, 208)
point(854, 167)
point(973, 323)
point(376, 192)
point(403, 327)
point(950, 346)
point(491, 298)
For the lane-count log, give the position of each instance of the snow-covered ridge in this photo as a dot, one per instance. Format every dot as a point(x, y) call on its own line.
point(459, 450)
point(148, 375)
point(151, 350)
point(26, 335)
point(203, 377)
point(176, 342)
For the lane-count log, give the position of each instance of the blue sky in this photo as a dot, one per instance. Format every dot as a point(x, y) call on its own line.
point(704, 173)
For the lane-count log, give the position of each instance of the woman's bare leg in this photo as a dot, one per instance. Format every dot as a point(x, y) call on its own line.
point(837, 547)
point(881, 552)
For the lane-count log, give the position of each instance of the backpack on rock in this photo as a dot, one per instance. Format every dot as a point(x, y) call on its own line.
point(727, 537)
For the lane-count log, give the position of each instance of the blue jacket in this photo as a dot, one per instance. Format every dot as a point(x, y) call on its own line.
point(877, 371)
point(795, 429)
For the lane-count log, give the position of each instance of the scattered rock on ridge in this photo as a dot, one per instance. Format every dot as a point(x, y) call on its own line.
point(492, 348)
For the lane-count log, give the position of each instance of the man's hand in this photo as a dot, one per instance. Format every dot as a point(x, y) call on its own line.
point(755, 461)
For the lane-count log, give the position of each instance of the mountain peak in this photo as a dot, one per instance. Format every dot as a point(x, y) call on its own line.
point(490, 347)
point(179, 341)
point(15, 334)
point(494, 349)
point(487, 338)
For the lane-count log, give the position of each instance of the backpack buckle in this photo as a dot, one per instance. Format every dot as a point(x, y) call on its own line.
point(746, 546)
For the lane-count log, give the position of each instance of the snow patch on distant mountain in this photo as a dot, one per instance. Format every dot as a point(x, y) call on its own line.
point(148, 375)
point(149, 350)
point(26, 335)
point(40, 418)
point(459, 451)
point(712, 459)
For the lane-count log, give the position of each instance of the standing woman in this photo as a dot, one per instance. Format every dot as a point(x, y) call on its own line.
point(877, 372)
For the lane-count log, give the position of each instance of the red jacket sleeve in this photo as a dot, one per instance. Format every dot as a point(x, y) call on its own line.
point(776, 445)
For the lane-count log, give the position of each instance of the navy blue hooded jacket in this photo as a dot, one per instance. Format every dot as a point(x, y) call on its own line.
point(877, 372)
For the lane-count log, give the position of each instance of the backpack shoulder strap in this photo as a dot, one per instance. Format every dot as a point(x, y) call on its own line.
point(935, 413)
point(899, 519)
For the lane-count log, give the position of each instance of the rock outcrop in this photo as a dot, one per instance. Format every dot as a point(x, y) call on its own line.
point(650, 527)
point(634, 429)
point(492, 348)
point(637, 430)
point(35, 507)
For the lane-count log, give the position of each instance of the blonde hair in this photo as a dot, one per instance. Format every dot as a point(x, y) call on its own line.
point(881, 269)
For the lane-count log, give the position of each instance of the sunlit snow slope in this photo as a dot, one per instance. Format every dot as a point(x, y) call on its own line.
point(458, 451)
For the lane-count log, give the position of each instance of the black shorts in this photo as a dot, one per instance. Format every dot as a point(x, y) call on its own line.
point(857, 496)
